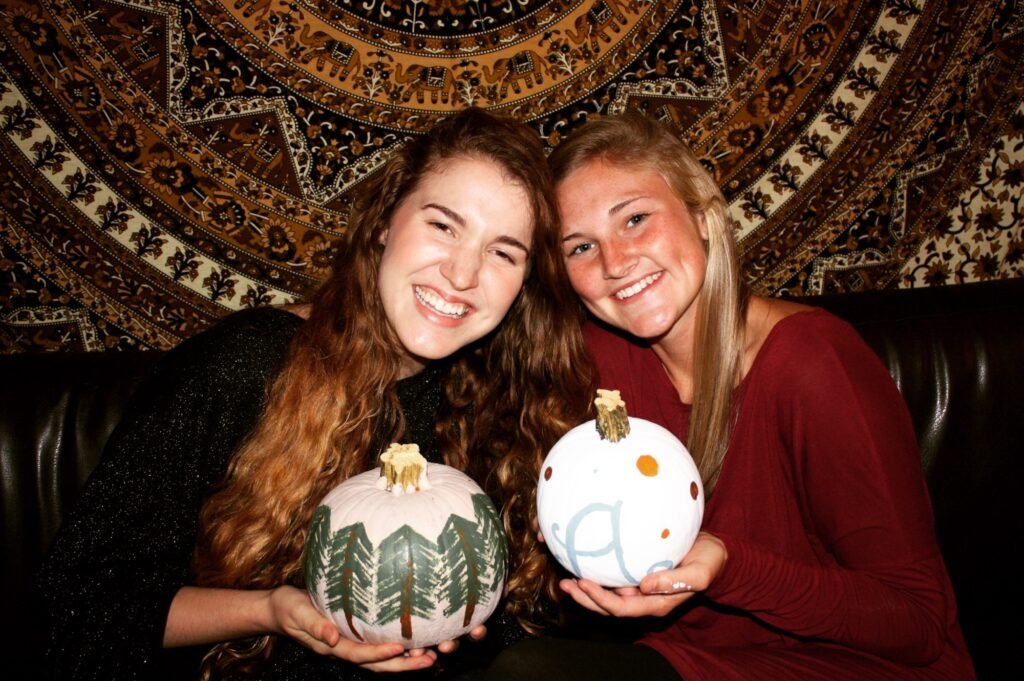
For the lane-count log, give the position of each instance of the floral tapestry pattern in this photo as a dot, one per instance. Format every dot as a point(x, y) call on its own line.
point(165, 162)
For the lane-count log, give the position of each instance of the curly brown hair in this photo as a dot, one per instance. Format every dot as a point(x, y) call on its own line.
point(509, 396)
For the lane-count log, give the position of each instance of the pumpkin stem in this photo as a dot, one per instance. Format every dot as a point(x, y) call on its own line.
point(612, 422)
point(403, 469)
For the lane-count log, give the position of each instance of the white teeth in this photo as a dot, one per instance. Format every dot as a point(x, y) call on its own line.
point(439, 305)
point(639, 286)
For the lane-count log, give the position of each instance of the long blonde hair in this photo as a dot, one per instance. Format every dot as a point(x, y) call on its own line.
point(508, 397)
point(632, 140)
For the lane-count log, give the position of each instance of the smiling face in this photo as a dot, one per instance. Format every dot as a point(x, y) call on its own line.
point(455, 257)
point(635, 253)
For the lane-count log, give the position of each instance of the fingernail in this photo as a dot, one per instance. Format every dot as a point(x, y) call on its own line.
point(674, 588)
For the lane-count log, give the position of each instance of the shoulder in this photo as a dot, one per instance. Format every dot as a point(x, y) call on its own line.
point(242, 343)
point(811, 351)
point(243, 328)
point(813, 330)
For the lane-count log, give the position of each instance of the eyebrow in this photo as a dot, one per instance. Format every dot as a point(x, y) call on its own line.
point(611, 211)
point(622, 204)
point(455, 217)
point(513, 242)
point(448, 213)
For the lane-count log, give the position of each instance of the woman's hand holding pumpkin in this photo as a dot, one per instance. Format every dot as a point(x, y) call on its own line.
point(660, 592)
point(293, 614)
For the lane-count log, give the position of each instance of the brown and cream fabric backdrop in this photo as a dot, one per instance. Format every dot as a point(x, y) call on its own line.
point(165, 162)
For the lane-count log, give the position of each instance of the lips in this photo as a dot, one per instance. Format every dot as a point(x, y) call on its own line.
point(439, 305)
point(634, 289)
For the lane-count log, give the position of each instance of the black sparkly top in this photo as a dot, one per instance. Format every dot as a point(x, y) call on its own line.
point(125, 550)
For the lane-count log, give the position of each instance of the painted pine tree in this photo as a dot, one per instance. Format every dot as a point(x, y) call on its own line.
point(492, 538)
point(348, 581)
point(406, 578)
point(318, 545)
point(463, 552)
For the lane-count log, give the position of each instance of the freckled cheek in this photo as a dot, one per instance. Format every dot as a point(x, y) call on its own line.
point(584, 280)
point(580, 283)
point(658, 242)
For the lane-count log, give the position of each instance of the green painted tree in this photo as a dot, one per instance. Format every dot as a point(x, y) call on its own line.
point(318, 545)
point(349, 574)
point(406, 578)
point(492, 533)
point(465, 559)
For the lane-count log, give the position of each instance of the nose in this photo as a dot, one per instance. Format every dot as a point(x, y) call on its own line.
point(617, 259)
point(462, 267)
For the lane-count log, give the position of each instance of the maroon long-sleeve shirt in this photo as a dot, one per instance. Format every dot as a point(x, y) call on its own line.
point(834, 571)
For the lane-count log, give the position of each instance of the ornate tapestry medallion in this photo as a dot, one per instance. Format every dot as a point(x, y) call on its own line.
point(165, 162)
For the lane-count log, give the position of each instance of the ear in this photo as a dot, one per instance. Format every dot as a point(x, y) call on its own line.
point(702, 223)
point(382, 237)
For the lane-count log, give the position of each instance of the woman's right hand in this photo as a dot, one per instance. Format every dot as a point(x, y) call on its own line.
point(293, 614)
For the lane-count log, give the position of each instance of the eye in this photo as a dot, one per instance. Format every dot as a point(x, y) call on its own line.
point(440, 226)
point(579, 249)
point(504, 255)
point(636, 219)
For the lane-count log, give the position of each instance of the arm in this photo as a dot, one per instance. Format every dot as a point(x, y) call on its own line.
point(873, 578)
point(878, 583)
point(205, 616)
point(125, 550)
point(116, 583)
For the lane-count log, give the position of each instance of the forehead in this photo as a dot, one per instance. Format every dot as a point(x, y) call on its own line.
point(477, 190)
point(443, 166)
point(467, 174)
point(600, 181)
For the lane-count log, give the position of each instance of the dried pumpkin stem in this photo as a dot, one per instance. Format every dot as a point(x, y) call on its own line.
point(612, 421)
point(403, 465)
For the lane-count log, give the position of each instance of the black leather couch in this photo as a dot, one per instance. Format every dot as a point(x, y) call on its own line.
point(957, 354)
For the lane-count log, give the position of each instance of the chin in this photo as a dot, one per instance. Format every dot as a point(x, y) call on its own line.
point(432, 350)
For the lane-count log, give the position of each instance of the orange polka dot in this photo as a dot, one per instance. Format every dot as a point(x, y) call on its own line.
point(693, 490)
point(547, 473)
point(647, 465)
point(664, 533)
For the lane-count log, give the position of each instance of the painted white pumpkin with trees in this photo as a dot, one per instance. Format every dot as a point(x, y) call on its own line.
point(412, 552)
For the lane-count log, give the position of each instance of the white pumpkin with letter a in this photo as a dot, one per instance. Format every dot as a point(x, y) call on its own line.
point(614, 508)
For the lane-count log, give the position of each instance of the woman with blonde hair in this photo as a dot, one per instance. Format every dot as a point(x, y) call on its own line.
point(818, 558)
point(437, 326)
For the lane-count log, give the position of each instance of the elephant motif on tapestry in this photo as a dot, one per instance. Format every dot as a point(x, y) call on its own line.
point(140, 53)
point(325, 48)
point(437, 80)
point(256, 150)
point(603, 15)
point(252, 7)
point(525, 65)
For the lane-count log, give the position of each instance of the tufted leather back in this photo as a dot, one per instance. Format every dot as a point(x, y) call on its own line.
point(955, 353)
point(56, 413)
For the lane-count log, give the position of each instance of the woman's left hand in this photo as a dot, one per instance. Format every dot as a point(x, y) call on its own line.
point(659, 593)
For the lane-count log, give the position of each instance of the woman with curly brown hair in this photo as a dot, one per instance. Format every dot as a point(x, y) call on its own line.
point(447, 322)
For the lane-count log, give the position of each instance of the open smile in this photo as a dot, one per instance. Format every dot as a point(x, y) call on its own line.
point(439, 305)
point(634, 289)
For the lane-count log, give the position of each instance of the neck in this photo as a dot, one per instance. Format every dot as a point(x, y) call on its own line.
point(411, 366)
point(675, 352)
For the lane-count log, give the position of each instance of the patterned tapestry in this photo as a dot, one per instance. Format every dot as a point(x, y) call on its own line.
point(163, 163)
